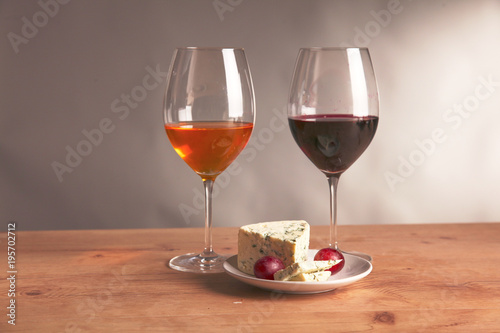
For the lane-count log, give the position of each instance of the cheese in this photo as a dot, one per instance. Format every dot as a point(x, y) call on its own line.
point(312, 277)
point(286, 240)
point(303, 268)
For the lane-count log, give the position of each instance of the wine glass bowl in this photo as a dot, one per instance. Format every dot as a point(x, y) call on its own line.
point(333, 112)
point(209, 113)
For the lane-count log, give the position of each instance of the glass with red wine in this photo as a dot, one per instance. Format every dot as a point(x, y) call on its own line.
point(209, 113)
point(333, 113)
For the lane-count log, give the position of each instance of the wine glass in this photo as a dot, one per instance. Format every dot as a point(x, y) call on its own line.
point(209, 113)
point(333, 113)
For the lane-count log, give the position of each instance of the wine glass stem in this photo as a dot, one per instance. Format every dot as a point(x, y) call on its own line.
point(208, 251)
point(333, 181)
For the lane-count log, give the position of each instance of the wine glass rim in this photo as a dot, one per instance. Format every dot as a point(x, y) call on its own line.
point(209, 48)
point(332, 48)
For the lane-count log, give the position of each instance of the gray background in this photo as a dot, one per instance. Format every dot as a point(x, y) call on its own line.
point(68, 68)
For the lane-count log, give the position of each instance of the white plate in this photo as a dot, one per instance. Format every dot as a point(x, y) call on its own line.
point(355, 269)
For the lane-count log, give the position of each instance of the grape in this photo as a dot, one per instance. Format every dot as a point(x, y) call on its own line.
point(265, 267)
point(331, 254)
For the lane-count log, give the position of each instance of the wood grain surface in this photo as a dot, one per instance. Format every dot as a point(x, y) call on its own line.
point(426, 278)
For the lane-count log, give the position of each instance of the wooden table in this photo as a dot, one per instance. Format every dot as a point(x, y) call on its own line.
point(426, 278)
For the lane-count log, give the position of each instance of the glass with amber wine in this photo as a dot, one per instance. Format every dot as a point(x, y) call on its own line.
point(209, 113)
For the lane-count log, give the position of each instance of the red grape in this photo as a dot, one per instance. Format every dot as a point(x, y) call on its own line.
point(331, 254)
point(265, 267)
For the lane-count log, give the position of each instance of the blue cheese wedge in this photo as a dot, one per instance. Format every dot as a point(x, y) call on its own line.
point(286, 240)
point(312, 277)
point(306, 267)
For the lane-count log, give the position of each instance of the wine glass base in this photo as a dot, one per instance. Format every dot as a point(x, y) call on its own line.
point(195, 263)
point(359, 254)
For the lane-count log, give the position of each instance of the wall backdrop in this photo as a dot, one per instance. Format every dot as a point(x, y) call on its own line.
point(82, 138)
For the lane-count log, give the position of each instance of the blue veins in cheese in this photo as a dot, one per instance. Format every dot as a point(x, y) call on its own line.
point(312, 277)
point(286, 240)
point(301, 271)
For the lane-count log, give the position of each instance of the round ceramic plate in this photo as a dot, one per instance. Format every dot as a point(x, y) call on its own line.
point(355, 269)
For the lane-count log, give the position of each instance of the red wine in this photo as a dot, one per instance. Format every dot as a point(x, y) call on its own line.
point(333, 142)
